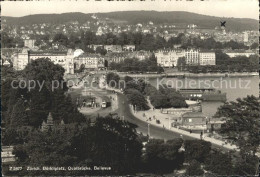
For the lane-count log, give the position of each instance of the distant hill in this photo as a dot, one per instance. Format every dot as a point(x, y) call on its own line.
point(178, 18)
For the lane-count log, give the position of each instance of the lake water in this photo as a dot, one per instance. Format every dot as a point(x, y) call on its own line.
point(234, 87)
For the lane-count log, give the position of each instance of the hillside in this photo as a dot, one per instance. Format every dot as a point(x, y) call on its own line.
point(178, 18)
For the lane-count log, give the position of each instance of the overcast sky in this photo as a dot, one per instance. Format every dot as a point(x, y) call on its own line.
point(221, 8)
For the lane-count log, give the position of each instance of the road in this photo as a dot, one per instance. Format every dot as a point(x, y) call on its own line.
point(155, 132)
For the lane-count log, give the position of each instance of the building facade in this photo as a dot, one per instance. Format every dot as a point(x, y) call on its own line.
point(192, 56)
point(21, 59)
point(65, 59)
point(89, 61)
point(168, 58)
point(236, 53)
point(207, 58)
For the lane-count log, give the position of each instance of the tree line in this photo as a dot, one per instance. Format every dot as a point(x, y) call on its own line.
point(135, 65)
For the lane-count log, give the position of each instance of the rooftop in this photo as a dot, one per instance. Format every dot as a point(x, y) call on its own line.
point(193, 115)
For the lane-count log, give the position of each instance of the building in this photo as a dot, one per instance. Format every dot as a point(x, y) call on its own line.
point(63, 58)
point(113, 48)
point(207, 58)
point(168, 58)
point(117, 57)
point(29, 43)
point(141, 54)
point(192, 56)
point(89, 61)
point(245, 37)
point(235, 53)
point(128, 47)
point(78, 52)
point(94, 47)
point(21, 60)
point(193, 119)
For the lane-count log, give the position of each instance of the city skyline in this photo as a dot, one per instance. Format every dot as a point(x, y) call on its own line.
point(235, 9)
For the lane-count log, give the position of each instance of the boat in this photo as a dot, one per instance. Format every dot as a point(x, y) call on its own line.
point(204, 94)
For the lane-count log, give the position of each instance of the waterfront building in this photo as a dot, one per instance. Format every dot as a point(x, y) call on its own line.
point(193, 119)
point(117, 57)
point(63, 58)
point(94, 47)
point(192, 56)
point(141, 54)
point(89, 61)
point(207, 57)
point(168, 58)
point(21, 59)
point(235, 53)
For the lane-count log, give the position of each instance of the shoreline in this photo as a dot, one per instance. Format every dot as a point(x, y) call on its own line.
point(190, 75)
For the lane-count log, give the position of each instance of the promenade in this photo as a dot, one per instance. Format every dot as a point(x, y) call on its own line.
point(165, 124)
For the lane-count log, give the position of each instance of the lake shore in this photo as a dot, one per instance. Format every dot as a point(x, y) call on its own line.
point(189, 75)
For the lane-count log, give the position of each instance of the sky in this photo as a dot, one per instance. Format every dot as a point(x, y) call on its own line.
point(220, 8)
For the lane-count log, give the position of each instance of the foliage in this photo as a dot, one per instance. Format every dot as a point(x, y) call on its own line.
point(136, 98)
point(113, 79)
point(219, 163)
point(242, 125)
point(194, 168)
point(163, 157)
point(197, 150)
point(110, 142)
point(167, 98)
point(135, 65)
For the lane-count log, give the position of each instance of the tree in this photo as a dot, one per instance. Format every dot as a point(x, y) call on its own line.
point(163, 157)
point(18, 116)
point(113, 79)
point(101, 50)
point(242, 125)
point(221, 58)
point(197, 150)
point(137, 99)
point(219, 163)
point(61, 39)
point(194, 168)
point(254, 46)
point(181, 63)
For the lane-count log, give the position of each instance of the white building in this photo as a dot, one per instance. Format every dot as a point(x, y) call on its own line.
point(192, 56)
point(235, 53)
point(89, 61)
point(78, 52)
point(21, 60)
point(65, 59)
point(207, 58)
point(245, 37)
point(168, 58)
point(29, 43)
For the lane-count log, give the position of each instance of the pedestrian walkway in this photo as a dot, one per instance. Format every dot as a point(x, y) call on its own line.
point(152, 115)
point(156, 115)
